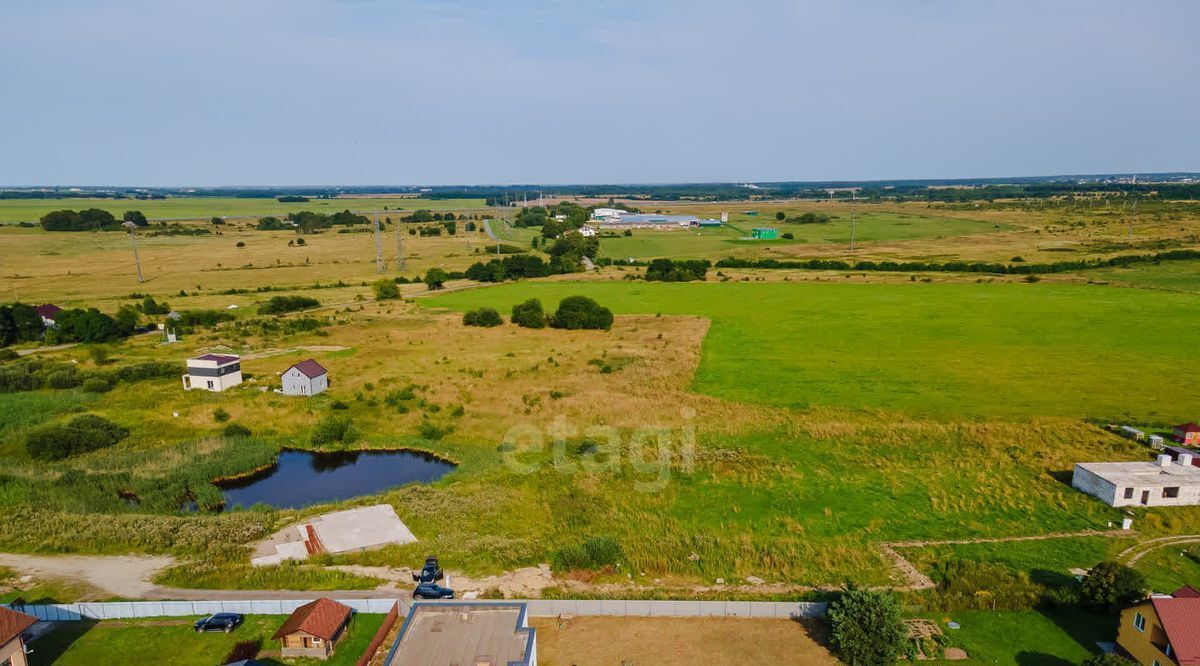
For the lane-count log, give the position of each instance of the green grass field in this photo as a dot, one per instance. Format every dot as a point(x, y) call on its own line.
point(1007, 350)
point(172, 641)
point(1170, 276)
point(31, 210)
point(1028, 638)
point(730, 240)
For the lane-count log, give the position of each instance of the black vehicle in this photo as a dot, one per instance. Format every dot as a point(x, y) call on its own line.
point(430, 573)
point(432, 591)
point(225, 622)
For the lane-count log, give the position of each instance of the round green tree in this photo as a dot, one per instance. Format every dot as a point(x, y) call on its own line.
point(866, 627)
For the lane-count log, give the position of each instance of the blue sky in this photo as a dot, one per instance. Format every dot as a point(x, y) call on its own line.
point(261, 92)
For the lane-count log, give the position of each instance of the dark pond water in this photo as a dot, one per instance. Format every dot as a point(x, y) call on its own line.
point(302, 478)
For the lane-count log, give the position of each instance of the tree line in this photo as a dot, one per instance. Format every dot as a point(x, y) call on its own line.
point(961, 266)
point(90, 219)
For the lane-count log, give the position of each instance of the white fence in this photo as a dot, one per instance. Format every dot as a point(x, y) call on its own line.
point(114, 610)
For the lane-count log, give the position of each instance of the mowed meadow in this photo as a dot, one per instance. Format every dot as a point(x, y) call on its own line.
point(1009, 350)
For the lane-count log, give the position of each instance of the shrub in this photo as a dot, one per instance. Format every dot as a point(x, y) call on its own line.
point(435, 278)
point(220, 415)
point(971, 585)
point(96, 385)
point(1110, 584)
point(282, 304)
point(386, 290)
point(429, 430)
point(486, 317)
point(596, 552)
point(666, 270)
point(63, 379)
point(334, 429)
point(82, 434)
point(236, 430)
point(581, 312)
point(866, 626)
point(529, 314)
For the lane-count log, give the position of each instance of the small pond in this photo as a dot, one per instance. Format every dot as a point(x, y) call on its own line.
point(303, 478)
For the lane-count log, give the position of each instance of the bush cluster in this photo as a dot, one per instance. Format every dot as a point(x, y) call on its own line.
point(333, 429)
point(529, 314)
point(667, 270)
point(486, 317)
point(84, 433)
point(581, 312)
point(32, 374)
point(284, 304)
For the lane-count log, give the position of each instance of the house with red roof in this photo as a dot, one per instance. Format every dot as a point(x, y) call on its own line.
point(305, 378)
point(1163, 630)
point(314, 629)
point(12, 631)
point(1187, 434)
point(213, 372)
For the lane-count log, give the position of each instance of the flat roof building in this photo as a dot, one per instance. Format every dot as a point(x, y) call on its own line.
point(651, 220)
point(213, 372)
point(470, 633)
point(1164, 482)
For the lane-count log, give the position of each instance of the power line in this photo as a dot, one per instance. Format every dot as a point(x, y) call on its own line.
point(380, 265)
point(133, 243)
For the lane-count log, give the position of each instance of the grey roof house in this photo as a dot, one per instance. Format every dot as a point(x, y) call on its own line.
point(305, 378)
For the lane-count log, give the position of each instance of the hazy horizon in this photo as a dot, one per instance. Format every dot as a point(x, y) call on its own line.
point(368, 91)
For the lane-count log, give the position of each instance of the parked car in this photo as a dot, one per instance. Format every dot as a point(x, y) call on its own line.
point(432, 591)
point(430, 573)
point(225, 622)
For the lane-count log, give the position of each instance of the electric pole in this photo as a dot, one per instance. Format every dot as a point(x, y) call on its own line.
point(133, 243)
point(399, 246)
point(379, 263)
point(853, 218)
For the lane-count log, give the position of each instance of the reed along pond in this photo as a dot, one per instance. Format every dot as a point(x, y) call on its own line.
point(303, 478)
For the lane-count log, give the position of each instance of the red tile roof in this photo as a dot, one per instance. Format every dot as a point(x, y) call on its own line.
point(321, 618)
point(1187, 427)
point(13, 623)
point(1187, 592)
point(48, 310)
point(1180, 618)
point(309, 368)
point(219, 358)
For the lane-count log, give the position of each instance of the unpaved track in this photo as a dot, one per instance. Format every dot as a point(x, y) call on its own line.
point(1136, 552)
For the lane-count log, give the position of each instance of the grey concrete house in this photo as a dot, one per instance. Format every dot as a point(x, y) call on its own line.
point(1164, 482)
point(305, 378)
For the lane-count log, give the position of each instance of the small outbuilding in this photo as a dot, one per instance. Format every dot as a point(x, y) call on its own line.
point(48, 312)
point(305, 378)
point(213, 372)
point(764, 233)
point(314, 629)
point(1187, 434)
point(12, 636)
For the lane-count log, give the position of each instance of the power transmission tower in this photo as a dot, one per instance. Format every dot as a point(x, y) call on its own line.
point(133, 243)
point(380, 266)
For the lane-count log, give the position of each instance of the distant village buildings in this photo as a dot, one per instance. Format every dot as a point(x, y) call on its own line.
point(613, 218)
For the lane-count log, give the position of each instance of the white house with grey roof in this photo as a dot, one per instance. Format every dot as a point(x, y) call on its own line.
point(1164, 482)
point(213, 372)
point(305, 378)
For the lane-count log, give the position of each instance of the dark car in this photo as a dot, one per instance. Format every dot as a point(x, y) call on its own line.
point(432, 591)
point(430, 573)
point(225, 622)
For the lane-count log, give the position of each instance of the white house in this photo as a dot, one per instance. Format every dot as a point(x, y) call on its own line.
point(48, 312)
point(305, 378)
point(1160, 483)
point(587, 231)
point(213, 372)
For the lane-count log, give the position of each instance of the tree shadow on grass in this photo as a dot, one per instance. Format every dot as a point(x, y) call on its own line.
point(1085, 627)
point(1041, 659)
point(1053, 579)
point(48, 648)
